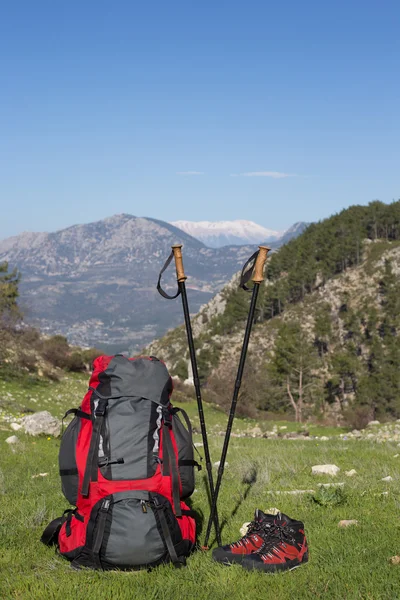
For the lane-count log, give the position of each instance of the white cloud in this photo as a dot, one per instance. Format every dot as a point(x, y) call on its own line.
point(190, 173)
point(272, 174)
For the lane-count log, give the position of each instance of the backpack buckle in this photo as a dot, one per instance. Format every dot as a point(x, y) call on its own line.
point(100, 410)
point(167, 416)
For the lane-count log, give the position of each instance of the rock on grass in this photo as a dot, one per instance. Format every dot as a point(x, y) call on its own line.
point(325, 470)
point(347, 522)
point(331, 485)
point(12, 440)
point(42, 423)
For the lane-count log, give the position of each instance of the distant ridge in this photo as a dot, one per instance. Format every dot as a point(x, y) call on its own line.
point(96, 283)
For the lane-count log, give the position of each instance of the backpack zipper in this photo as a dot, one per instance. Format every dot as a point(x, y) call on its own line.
point(105, 461)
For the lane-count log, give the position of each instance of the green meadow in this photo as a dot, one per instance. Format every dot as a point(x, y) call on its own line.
point(345, 563)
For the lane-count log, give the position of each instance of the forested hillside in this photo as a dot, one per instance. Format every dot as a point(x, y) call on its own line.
point(326, 337)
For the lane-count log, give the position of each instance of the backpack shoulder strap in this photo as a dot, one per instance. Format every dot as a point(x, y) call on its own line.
point(175, 411)
point(50, 534)
point(170, 466)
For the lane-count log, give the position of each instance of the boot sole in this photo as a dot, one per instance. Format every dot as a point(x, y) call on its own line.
point(251, 565)
point(229, 559)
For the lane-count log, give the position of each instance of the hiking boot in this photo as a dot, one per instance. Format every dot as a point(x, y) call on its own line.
point(284, 548)
point(253, 540)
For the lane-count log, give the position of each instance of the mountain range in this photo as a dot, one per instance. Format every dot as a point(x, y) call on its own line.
point(96, 283)
point(216, 234)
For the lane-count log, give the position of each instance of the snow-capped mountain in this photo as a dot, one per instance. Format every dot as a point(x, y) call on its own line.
point(216, 234)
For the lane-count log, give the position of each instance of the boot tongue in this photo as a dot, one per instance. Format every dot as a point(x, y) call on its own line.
point(282, 518)
point(259, 515)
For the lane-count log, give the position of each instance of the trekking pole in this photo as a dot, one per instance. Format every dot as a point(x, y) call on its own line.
point(181, 278)
point(258, 261)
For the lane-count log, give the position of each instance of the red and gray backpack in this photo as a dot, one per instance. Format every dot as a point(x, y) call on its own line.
point(126, 464)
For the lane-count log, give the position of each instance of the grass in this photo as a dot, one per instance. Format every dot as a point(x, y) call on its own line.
point(344, 563)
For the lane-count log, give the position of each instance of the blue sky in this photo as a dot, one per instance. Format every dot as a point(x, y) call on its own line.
point(105, 106)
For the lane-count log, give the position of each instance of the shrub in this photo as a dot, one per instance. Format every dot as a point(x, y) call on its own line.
point(180, 369)
point(29, 336)
point(27, 360)
point(358, 417)
point(220, 389)
point(75, 362)
point(56, 350)
point(332, 496)
point(89, 355)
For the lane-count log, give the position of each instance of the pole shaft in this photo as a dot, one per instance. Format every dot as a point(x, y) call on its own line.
point(196, 381)
point(233, 408)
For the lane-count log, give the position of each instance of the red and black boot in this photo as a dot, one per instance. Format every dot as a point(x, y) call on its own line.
point(284, 547)
point(251, 542)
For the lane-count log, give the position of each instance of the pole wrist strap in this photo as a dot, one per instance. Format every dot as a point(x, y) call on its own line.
point(159, 288)
point(247, 271)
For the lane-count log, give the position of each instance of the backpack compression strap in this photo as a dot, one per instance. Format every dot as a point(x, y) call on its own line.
point(77, 412)
point(159, 288)
point(91, 469)
point(178, 561)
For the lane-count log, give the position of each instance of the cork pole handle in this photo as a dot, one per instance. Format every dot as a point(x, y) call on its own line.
point(180, 272)
point(258, 276)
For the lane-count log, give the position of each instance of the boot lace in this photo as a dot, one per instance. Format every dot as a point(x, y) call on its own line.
point(278, 534)
point(255, 527)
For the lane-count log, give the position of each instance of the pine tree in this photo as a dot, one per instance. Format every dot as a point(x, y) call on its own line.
point(292, 366)
point(345, 368)
point(323, 328)
point(9, 310)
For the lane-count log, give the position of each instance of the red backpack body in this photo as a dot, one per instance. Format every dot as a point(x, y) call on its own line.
point(126, 464)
